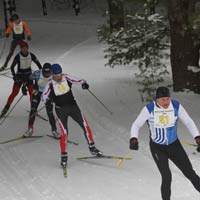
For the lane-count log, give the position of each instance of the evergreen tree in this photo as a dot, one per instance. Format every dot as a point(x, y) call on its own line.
point(142, 41)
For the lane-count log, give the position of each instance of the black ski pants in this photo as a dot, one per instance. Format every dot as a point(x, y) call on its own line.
point(36, 98)
point(175, 152)
point(74, 112)
point(13, 46)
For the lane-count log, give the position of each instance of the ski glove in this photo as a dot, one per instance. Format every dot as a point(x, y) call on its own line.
point(198, 143)
point(29, 38)
point(15, 77)
point(85, 86)
point(134, 144)
point(24, 90)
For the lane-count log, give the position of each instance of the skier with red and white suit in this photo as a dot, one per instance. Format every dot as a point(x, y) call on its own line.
point(59, 90)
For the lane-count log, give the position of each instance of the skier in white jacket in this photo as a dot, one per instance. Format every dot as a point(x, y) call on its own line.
point(162, 117)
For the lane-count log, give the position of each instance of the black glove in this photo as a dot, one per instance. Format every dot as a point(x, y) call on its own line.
point(7, 35)
point(29, 38)
point(15, 77)
point(133, 144)
point(198, 143)
point(85, 86)
point(24, 90)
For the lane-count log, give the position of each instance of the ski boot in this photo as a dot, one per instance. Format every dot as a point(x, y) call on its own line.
point(64, 159)
point(28, 133)
point(56, 134)
point(4, 111)
point(94, 151)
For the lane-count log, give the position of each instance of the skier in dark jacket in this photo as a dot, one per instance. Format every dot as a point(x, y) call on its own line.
point(19, 29)
point(40, 78)
point(162, 116)
point(60, 92)
point(23, 61)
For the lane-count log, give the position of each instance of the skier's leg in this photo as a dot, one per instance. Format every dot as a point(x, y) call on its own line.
point(81, 120)
point(181, 160)
point(161, 160)
point(13, 45)
point(52, 121)
point(14, 93)
point(62, 117)
point(34, 105)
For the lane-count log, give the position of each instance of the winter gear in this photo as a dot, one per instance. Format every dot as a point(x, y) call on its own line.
point(64, 159)
point(56, 134)
point(49, 109)
point(24, 90)
point(14, 17)
point(28, 133)
point(23, 44)
point(56, 69)
point(163, 129)
point(85, 86)
point(5, 110)
point(29, 38)
point(46, 68)
point(134, 144)
point(175, 152)
point(7, 35)
point(74, 112)
point(198, 143)
point(162, 92)
point(94, 150)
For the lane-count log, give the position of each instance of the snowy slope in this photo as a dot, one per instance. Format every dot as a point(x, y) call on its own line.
point(30, 169)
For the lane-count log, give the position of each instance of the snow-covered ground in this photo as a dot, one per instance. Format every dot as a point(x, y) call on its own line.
point(30, 169)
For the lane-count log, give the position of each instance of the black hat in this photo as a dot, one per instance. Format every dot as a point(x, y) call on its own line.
point(162, 92)
point(46, 68)
point(14, 16)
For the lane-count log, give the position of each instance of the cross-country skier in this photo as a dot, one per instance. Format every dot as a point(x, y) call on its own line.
point(59, 89)
point(162, 116)
point(19, 28)
point(40, 78)
point(23, 61)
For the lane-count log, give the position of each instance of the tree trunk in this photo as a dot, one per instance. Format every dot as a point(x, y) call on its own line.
point(116, 13)
point(183, 51)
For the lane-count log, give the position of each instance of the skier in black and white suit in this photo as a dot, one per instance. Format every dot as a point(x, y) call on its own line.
point(59, 89)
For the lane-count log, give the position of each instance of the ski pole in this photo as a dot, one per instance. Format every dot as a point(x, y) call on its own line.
point(100, 102)
point(119, 163)
point(11, 110)
point(189, 144)
point(2, 50)
point(6, 76)
point(35, 113)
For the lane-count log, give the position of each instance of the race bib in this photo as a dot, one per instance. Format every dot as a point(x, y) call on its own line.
point(18, 28)
point(42, 83)
point(164, 118)
point(60, 88)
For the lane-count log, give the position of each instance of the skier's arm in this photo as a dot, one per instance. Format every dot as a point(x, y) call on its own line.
point(36, 61)
point(35, 75)
point(26, 29)
point(14, 63)
point(139, 122)
point(9, 29)
point(74, 80)
point(188, 122)
point(46, 92)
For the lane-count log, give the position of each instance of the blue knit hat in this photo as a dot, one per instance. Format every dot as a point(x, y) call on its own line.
point(56, 69)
